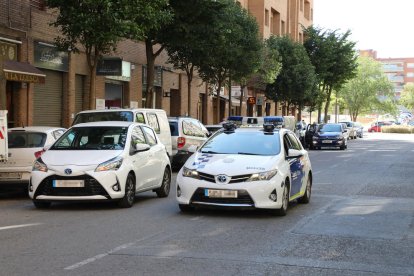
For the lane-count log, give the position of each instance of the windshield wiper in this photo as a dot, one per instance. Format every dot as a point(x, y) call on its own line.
point(210, 151)
point(248, 153)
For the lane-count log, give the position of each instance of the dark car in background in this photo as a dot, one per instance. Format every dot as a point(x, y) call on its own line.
point(330, 135)
point(311, 129)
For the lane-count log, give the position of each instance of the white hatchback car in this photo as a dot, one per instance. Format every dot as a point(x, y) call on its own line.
point(101, 161)
point(247, 168)
point(25, 145)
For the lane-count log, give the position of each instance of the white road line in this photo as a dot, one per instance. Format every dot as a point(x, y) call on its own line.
point(100, 256)
point(18, 226)
point(197, 218)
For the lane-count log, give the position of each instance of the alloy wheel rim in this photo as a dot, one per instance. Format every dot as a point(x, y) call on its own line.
point(130, 192)
point(166, 181)
point(285, 198)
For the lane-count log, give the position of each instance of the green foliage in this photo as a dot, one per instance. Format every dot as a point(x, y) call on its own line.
point(296, 81)
point(407, 96)
point(334, 58)
point(369, 90)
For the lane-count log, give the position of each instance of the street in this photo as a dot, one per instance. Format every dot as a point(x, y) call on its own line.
point(360, 221)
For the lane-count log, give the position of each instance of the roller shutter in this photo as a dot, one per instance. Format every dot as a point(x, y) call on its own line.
point(47, 100)
point(79, 84)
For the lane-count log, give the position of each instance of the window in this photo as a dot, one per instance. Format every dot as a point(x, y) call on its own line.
point(137, 136)
point(151, 138)
point(410, 65)
point(139, 118)
point(191, 128)
point(410, 75)
point(26, 140)
point(153, 122)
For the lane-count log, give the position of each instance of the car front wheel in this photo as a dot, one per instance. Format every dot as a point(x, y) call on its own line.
point(129, 197)
point(41, 204)
point(306, 197)
point(285, 202)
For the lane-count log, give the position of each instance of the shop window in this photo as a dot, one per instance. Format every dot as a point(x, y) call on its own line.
point(266, 17)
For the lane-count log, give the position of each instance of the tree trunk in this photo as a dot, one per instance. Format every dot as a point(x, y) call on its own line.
point(189, 81)
point(328, 101)
point(218, 102)
point(92, 60)
point(229, 94)
point(242, 86)
point(150, 99)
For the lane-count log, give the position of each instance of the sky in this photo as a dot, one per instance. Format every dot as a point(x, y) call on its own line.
point(386, 26)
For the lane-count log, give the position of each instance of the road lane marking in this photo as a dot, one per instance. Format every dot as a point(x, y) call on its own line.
point(100, 256)
point(18, 226)
point(197, 218)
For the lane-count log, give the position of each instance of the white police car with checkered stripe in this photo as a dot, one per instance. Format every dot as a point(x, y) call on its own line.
point(252, 167)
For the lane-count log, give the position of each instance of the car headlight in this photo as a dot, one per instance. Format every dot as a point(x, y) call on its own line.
point(190, 173)
point(339, 137)
point(38, 165)
point(262, 176)
point(110, 165)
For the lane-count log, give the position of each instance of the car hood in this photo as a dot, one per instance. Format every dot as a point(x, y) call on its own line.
point(78, 157)
point(230, 164)
point(328, 134)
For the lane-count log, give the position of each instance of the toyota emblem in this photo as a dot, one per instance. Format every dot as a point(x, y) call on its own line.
point(68, 171)
point(222, 178)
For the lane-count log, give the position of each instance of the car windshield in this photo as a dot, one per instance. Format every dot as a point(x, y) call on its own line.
point(92, 138)
point(348, 124)
point(249, 142)
point(330, 128)
point(23, 139)
point(104, 116)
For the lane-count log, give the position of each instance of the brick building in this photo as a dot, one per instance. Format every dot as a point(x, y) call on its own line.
point(400, 71)
point(40, 85)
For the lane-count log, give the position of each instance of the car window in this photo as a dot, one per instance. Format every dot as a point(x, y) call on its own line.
point(26, 139)
point(92, 138)
point(57, 133)
point(151, 138)
point(331, 128)
point(173, 128)
point(137, 136)
point(153, 122)
point(240, 142)
point(103, 116)
point(192, 128)
point(294, 143)
point(139, 118)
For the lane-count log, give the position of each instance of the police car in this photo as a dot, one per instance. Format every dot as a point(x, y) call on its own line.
point(255, 167)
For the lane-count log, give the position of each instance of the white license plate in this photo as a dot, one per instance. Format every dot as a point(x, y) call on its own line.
point(11, 175)
point(220, 193)
point(327, 141)
point(68, 183)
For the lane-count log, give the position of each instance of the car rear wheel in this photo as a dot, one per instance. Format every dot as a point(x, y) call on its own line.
point(306, 197)
point(41, 204)
point(164, 190)
point(129, 197)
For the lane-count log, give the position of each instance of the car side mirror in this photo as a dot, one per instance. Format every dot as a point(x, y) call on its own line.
point(294, 153)
point(142, 147)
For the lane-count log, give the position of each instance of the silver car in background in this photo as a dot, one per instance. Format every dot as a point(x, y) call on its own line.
point(351, 129)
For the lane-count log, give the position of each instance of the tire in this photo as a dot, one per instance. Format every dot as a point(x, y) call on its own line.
point(185, 208)
point(164, 190)
point(306, 197)
point(285, 202)
point(41, 204)
point(129, 197)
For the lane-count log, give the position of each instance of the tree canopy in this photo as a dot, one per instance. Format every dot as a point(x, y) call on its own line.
point(407, 96)
point(370, 90)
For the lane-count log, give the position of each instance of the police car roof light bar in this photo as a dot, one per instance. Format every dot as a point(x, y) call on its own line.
point(268, 127)
point(229, 127)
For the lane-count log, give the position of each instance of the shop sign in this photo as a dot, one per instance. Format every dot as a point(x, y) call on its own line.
point(157, 76)
point(49, 57)
point(251, 100)
point(259, 101)
point(11, 76)
point(109, 66)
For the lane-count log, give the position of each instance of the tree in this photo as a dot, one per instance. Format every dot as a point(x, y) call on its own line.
point(234, 47)
point(369, 90)
point(334, 59)
point(296, 81)
point(92, 26)
point(185, 40)
point(144, 21)
point(407, 96)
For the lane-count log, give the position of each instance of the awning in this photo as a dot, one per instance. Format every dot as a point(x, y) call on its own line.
point(22, 72)
point(234, 101)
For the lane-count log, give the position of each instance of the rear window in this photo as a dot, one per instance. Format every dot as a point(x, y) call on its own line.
point(22, 139)
point(126, 116)
point(174, 128)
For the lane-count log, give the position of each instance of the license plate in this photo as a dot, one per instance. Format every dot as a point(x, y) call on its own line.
point(327, 141)
point(11, 175)
point(68, 183)
point(220, 193)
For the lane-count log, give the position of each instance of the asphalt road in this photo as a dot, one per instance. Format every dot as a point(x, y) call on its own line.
point(360, 221)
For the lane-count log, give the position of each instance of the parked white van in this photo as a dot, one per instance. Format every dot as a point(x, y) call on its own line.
point(155, 118)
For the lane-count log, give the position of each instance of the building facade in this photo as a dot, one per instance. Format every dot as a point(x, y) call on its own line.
point(400, 71)
point(40, 85)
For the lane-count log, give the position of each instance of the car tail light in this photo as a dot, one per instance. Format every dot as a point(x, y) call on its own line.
point(39, 153)
point(180, 142)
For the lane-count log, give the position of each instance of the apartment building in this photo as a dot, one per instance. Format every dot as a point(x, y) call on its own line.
point(40, 85)
point(400, 71)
